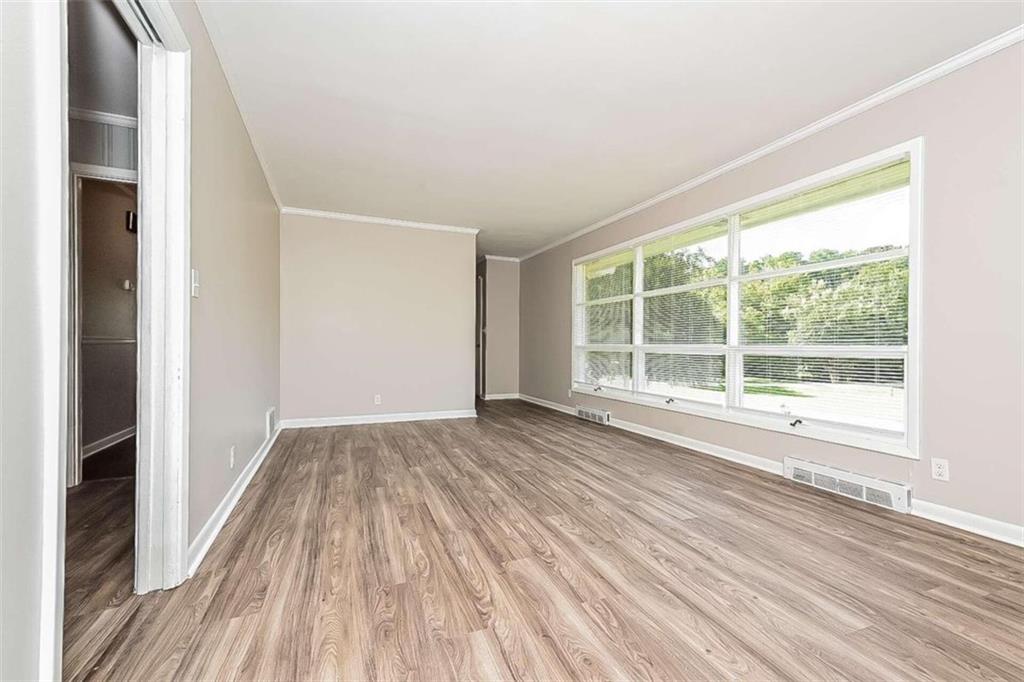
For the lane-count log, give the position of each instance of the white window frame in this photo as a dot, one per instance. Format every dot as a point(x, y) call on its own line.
point(880, 441)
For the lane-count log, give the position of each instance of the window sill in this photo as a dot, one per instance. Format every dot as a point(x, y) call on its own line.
point(863, 439)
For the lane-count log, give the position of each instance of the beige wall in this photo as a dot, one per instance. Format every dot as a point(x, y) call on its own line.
point(971, 121)
point(372, 309)
point(235, 247)
point(502, 316)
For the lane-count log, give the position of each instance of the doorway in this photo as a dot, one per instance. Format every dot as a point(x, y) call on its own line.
point(103, 260)
point(481, 331)
point(106, 272)
point(127, 148)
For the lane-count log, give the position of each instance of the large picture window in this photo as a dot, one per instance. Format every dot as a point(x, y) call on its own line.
point(792, 311)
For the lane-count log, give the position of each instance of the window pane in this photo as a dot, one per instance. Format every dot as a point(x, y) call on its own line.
point(857, 305)
point(607, 323)
point(693, 377)
point(692, 256)
point(606, 368)
point(859, 391)
point(865, 214)
point(697, 316)
point(608, 276)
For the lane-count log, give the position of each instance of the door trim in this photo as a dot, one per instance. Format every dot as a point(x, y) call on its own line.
point(75, 447)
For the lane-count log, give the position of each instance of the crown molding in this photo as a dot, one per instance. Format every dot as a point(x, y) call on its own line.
point(393, 222)
point(119, 120)
point(959, 61)
point(506, 259)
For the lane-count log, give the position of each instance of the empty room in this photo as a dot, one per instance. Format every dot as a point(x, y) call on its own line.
point(512, 340)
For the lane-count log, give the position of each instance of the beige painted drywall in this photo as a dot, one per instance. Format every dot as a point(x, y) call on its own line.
point(971, 122)
point(371, 309)
point(235, 247)
point(502, 319)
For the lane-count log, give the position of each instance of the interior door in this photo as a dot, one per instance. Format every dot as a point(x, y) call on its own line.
point(481, 335)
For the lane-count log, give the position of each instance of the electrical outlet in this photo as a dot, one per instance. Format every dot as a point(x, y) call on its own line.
point(231, 457)
point(376, 399)
point(570, 393)
point(940, 469)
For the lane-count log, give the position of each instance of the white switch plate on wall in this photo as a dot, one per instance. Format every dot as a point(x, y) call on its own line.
point(195, 283)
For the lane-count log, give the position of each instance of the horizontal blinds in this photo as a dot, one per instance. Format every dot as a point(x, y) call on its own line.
point(854, 305)
point(695, 317)
point(609, 322)
point(873, 225)
point(819, 286)
point(605, 368)
point(875, 181)
point(686, 257)
point(867, 392)
point(608, 276)
point(692, 377)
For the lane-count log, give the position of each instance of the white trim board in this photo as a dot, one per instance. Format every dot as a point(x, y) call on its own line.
point(762, 463)
point(313, 422)
point(972, 523)
point(965, 58)
point(204, 539)
point(507, 259)
point(956, 518)
point(501, 396)
point(375, 220)
point(105, 442)
point(103, 117)
point(97, 172)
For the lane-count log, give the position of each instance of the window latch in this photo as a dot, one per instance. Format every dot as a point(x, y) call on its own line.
point(796, 422)
point(597, 388)
point(670, 401)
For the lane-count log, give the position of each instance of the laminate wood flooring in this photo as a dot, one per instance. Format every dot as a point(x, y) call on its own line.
point(526, 544)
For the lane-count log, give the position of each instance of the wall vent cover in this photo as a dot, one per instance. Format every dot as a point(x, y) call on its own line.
point(873, 490)
point(603, 417)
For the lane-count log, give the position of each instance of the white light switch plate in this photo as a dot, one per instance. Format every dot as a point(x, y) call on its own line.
point(195, 283)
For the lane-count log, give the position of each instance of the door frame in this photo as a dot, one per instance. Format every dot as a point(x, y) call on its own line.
point(81, 171)
point(481, 335)
point(164, 274)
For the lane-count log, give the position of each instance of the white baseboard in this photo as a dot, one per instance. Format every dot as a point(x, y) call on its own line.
point(302, 423)
point(201, 545)
point(973, 523)
point(753, 461)
point(501, 396)
point(105, 442)
point(762, 463)
point(548, 404)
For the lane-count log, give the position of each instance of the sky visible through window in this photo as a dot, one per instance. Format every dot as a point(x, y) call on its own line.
point(857, 226)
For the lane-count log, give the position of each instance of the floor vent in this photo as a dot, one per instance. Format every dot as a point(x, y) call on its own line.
point(874, 490)
point(603, 417)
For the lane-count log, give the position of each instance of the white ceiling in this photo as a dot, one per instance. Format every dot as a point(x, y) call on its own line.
point(531, 121)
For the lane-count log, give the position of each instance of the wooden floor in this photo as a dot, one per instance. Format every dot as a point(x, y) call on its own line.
point(527, 544)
